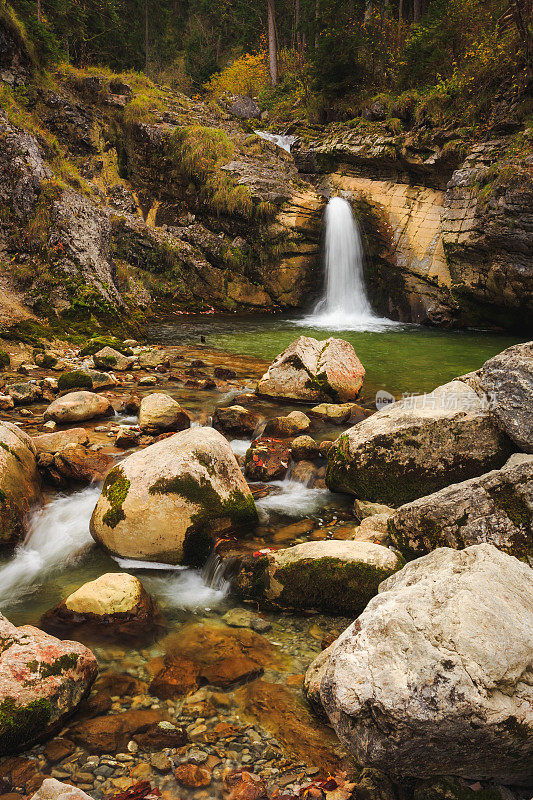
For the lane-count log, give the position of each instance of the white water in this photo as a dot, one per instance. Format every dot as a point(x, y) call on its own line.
point(344, 305)
point(240, 446)
point(58, 537)
point(285, 142)
point(294, 500)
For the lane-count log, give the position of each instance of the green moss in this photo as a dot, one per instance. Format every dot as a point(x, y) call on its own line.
point(3, 496)
point(239, 507)
point(115, 489)
point(20, 725)
point(331, 584)
point(78, 379)
point(57, 667)
point(99, 342)
point(45, 360)
point(509, 501)
point(11, 452)
point(5, 361)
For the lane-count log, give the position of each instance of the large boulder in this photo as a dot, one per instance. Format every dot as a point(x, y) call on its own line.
point(78, 407)
point(77, 464)
point(508, 381)
point(54, 442)
point(433, 678)
point(333, 576)
point(108, 358)
point(159, 413)
point(168, 502)
point(42, 681)
point(314, 370)
point(496, 507)
point(20, 483)
point(417, 446)
point(266, 459)
point(115, 604)
point(89, 379)
point(235, 421)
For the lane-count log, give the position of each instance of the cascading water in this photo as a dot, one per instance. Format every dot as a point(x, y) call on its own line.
point(344, 305)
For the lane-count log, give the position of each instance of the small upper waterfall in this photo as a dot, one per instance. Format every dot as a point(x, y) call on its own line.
point(344, 304)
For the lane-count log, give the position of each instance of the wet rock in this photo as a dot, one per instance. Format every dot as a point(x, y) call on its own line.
point(75, 463)
point(459, 625)
point(23, 394)
point(178, 677)
point(111, 734)
point(496, 507)
point(508, 380)
point(266, 460)
point(164, 503)
point(52, 789)
point(224, 373)
point(148, 380)
point(192, 777)
point(337, 413)
point(150, 359)
point(6, 402)
point(89, 379)
point(243, 785)
point(305, 472)
point(334, 576)
point(42, 681)
point(231, 670)
point(127, 438)
point(242, 618)
point(120, 684)
point(304, 448)
point(160, 735)
point(161, 762)
point(291, 425)
point(374, 529)
point(78, 407)
point(58, 749)
point(235, 421)
point(115, 604)
point(417, 446)
point(132, 404)
point(54, 442)
point(20, 482)
point(314, 370)
point(159, 412)
point(363, 509)
point(109, 359)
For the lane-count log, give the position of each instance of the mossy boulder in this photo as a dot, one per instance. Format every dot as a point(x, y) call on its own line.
point(334, 576)
point(109, 358)
point(496, 507)
point(98, 342)
point(314, 371)
point(432, 677)
point(76, 379)
point(43, 680)
point(20, 483)
point(417, 446)
point(5, 360)
point(169, 502)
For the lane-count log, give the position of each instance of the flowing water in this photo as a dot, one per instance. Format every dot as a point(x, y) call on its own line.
point(282, 140)
point(344, 305)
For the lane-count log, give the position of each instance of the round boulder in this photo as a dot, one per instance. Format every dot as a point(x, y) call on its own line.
point(78, 407)
point(169, 502)
point(433, 678)
point(160, 413)
point(20, 483)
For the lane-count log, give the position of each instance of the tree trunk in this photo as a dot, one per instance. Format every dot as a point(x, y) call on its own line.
point(417, 10)
point(317, 16)
point(297, 25)
point(368, 12)
point(400, 16)
point(146, 43)
point(39, 11)
point(272, 48)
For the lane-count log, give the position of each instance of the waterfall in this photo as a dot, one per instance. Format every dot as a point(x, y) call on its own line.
point(344, 304)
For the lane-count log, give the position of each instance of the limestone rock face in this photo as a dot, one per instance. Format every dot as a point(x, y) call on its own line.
point(20, 483)
point(334, 576)
point(78, 407)
point(115, 603)
point(314, 370)
point(42, 680)
point(508, 380)
point(433, 677)
point(417, 446)
point(496, 507)
point(166, 503)
point(159, 412)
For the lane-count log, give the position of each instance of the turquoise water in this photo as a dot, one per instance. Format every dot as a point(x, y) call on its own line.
point(404, 358)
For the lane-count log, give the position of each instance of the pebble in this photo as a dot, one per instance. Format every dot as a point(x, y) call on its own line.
point(197, 756)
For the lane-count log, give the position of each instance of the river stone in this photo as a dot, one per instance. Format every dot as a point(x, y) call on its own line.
point(235, 421)
point(314, 370)
point(374, 529)
point(496, 507)
point(291, 425)
point(417, 446)
point(78, 464)
point(266, 460)
point(90, 379)
point(54, 442)
point(334, 576)
point(432, 678)
point(20, 483)
point(508, 380)
point(52, 789)
point(304, 448)
point(42, 680)
point(107, 358)
point(159, 413)
point(150, 359)
point(166, 503)
point(116, 602)
point(78, 407)
point(24, 394)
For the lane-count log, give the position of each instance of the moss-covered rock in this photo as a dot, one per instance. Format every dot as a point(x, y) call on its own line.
point(76, 379)
point(338, 577)
point(20, 483)
point(169, 502)
point(5, 360)
point(99, 342)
